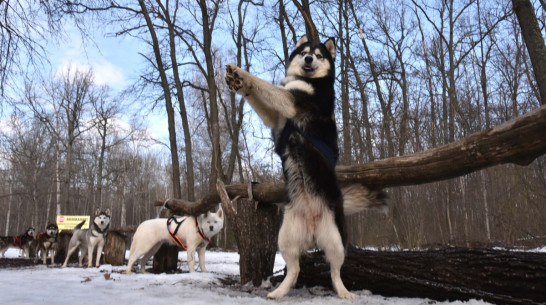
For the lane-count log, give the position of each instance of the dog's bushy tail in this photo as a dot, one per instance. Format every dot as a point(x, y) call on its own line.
point(357, 198)
point(79, 226)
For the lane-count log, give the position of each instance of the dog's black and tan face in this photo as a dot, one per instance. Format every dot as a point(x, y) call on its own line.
point(310, 60)
point(52, 230)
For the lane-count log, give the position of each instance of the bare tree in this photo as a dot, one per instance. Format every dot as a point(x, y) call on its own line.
point(23, 25)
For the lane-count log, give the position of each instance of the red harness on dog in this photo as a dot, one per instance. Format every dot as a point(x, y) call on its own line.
point(178, 224)
point(18, 241)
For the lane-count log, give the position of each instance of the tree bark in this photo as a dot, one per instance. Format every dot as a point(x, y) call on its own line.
point(256, 226)
point(497, 276)
point(519, 141)
point(115, 247)
point(532, 35)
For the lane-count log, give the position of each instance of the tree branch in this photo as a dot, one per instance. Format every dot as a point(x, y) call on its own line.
point(519, 141)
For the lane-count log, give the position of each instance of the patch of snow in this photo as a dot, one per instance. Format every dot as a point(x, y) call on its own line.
point(109, 284)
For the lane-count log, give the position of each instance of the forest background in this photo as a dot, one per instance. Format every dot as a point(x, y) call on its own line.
point(411, 75)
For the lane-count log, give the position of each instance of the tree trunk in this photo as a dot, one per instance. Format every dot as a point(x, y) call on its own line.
point(497, 276)
point(208, 17)
point(532, 35)
point(115, 247)
point(168, 102)
point(256, 226)
point(166, 258)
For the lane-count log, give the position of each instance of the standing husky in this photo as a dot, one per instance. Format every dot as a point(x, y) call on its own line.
point(188, 232)
point(47, 242)
point(20, 241)
point(301, 114)
point(88, 240)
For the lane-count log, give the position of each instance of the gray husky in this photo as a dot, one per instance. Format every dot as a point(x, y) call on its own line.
point(300, 112)
point(88, 240)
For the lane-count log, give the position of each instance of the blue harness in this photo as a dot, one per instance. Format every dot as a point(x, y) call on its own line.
point(331, 154)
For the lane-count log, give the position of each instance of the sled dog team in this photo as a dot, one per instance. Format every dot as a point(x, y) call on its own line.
point(191, 233)
point(300, 114)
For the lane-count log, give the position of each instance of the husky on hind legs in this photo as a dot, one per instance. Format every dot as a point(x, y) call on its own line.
point(300, 113)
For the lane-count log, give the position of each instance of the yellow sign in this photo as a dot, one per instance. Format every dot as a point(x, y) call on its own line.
point(68, 222)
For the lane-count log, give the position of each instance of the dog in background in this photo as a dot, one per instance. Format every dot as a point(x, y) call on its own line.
point(189, 232)
point(20, 241)
point(89, 240)
point(47, 242)
point(300, 112)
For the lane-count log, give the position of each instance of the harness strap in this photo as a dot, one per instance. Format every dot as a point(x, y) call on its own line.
point(173, 234)
point(205, 238)
point(328, 152)
point(178, 224)
point(18, 241)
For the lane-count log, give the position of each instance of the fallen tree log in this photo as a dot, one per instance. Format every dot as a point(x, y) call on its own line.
point(520, 141)
point(497, 276)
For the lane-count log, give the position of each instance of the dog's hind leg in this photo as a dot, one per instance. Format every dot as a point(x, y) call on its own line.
point(329, 240)
point(71, 248)
point(292, 239)
point(147, 256)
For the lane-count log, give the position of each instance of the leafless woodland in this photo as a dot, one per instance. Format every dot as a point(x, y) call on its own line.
point(412, 75)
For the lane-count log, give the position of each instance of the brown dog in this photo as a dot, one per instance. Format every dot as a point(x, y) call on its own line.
point(47, 242)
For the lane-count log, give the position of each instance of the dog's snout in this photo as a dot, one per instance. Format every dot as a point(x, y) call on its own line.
point(308, 59)
point(211, 228)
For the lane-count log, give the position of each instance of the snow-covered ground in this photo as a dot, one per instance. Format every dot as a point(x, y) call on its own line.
point(110, 285)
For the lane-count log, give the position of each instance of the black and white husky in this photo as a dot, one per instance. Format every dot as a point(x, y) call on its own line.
point(20, 241)
point(301, 114)
point(88, 240)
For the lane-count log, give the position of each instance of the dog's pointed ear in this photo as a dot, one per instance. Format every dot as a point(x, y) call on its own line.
point(107, 212)
point(220, 212)
point(330, 45)
point(97, 212)
point(302, 41)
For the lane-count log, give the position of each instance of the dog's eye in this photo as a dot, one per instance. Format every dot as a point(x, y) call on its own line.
point(303, 53)
point(318, 56)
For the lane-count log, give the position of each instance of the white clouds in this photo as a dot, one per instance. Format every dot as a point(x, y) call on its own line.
point(112, 60)
point(104, 72)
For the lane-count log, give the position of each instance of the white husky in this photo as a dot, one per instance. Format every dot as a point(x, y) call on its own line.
point(188, 232)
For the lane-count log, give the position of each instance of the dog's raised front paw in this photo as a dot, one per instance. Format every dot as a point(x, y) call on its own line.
point(233, 78)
